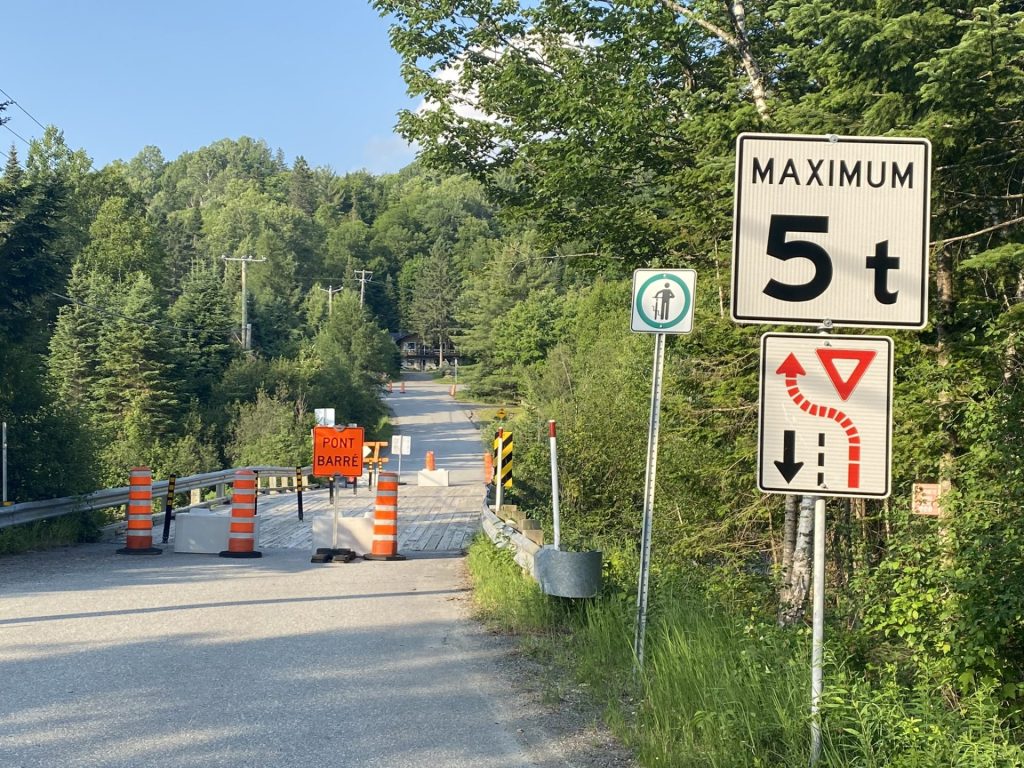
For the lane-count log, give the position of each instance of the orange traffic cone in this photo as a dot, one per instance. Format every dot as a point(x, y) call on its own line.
point(385, 519)
point(488, 468)
point(402, 387)
point(429, 463)
point(139, 540)
point(242, 530)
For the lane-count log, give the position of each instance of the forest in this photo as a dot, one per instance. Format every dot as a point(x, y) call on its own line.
point(563, 144)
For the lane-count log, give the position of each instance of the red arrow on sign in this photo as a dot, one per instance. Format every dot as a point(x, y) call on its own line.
point(790, 369)
point(845, 387)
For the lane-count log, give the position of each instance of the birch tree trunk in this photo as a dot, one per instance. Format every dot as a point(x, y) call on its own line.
point(789, 538)
point(794, 596)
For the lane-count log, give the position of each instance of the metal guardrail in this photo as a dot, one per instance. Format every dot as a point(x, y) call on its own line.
point(31, 511)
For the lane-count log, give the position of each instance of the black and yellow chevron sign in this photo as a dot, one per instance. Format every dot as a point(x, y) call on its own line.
point(505, 444)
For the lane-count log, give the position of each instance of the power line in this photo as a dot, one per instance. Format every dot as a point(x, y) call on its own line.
point(27, 142)
point(15, 103)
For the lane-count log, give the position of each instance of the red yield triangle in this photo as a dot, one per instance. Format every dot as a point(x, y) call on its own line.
point(845, 387)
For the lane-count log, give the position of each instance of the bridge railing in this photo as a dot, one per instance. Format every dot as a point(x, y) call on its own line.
point(31, 511)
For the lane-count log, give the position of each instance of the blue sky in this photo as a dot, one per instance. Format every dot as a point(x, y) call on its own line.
point(315, 78)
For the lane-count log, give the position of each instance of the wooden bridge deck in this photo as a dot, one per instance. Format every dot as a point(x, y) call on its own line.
point(430, 519)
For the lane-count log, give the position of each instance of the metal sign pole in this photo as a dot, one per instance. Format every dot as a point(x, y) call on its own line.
point(648, 519)
point(818, 610)
point(818, 627)
point(334, 522)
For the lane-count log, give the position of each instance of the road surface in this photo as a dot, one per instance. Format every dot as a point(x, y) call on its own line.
point(187, 660)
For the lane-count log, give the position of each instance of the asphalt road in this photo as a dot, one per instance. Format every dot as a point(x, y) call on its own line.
point(190, 660)
point(435, 422)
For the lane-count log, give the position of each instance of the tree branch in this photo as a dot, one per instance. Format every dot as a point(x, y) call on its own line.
point(738, 42)
point(986, 230)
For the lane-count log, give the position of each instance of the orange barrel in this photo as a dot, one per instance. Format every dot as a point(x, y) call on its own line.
point(385, 519)
point(430, 461)
point(242, 530)
point(488, 468)
point(451, 390)
point(139, 540)
point(391, 388)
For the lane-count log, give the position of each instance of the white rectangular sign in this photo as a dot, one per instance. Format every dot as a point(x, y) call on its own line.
point(831, 228)
point(663, 300)
point(826, 415)
point(324, 416)
point(401, 445)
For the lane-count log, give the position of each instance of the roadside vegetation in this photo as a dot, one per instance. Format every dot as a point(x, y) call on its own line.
point(600, 138)
point(724, 687)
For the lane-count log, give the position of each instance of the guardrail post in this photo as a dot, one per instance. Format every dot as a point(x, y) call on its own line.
point(169, 507)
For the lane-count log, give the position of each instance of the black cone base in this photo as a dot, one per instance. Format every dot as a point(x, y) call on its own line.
point(320, 557)
point(383, 557)
point(142, 551)
point(240, 555)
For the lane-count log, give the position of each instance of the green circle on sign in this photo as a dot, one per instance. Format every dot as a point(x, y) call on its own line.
point(640, 303)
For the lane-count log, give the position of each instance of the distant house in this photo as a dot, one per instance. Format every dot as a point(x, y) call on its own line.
point(419, 356)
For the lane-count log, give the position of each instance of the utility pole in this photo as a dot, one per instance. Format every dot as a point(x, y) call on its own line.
point(244, 338)
point(330, 297)
point(5, 462)
point(363, 276)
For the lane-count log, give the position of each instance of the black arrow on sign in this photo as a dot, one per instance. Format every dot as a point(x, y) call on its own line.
point(788, 467)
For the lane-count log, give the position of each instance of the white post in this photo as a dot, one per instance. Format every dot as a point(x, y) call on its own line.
point(653, 428)
point(497, 473)
point(818, 626)
point(554, 484)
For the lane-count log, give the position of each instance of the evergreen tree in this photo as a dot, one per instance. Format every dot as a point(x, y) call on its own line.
point(203, 322)
point(434, 295)
point(301, 188)
point(135, 390)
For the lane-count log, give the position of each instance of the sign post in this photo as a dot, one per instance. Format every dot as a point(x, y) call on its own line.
point(829, 231)
point(662, 304)
point(401, 445)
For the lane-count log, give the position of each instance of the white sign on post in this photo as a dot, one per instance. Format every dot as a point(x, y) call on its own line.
point(401, 445)
point(826, 415)
point(831, 228)
point(324, 416)
point(663, 300)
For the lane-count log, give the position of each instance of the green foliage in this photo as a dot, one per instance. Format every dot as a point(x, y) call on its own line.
point(271, 431)
point(505, 597)
point(724, 687)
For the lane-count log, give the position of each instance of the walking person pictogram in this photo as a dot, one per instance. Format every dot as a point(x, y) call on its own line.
point(662, 299)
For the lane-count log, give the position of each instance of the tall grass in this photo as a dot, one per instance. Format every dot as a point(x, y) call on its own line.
point(720, 690)
point(717, 696)
point(46, 534)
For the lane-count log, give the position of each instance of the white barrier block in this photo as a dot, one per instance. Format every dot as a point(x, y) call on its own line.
point(433, 477)
point(355, 533)
point(204, 532)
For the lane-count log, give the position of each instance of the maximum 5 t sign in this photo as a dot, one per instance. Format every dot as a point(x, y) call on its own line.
point(831, 228)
